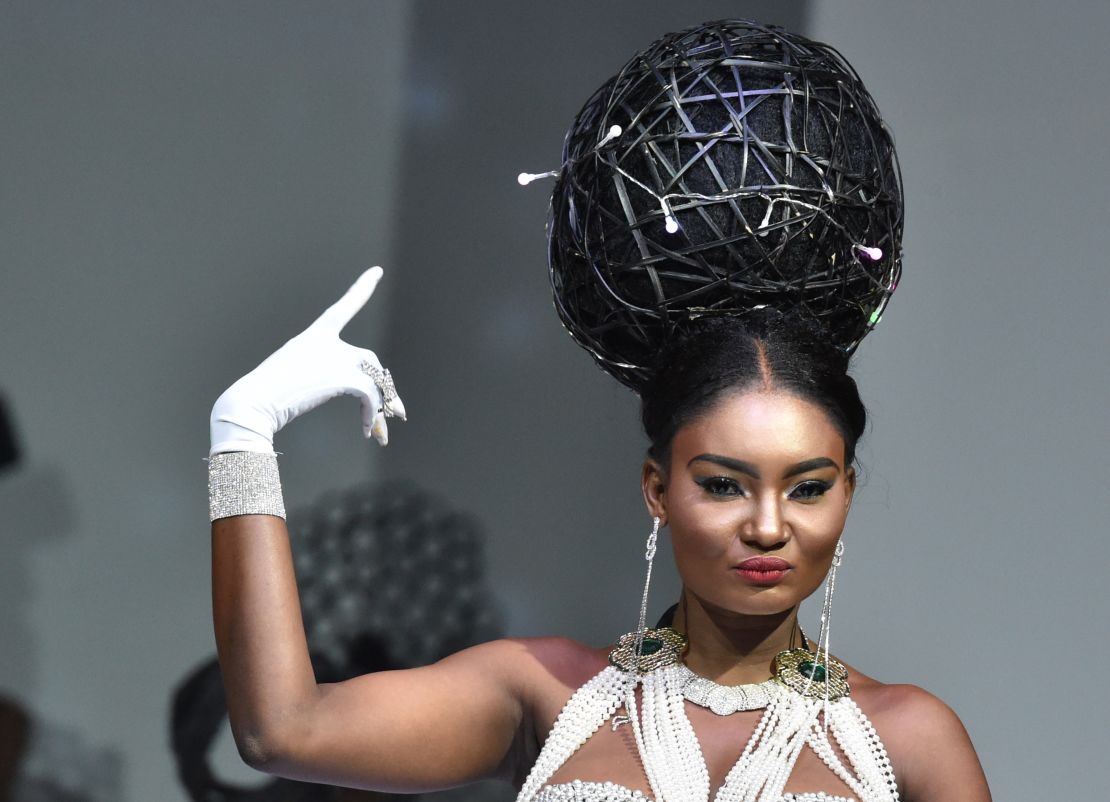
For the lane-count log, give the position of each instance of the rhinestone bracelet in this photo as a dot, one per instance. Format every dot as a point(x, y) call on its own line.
point(244, 483)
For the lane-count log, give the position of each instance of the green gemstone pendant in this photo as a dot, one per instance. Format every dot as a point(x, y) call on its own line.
point(803, 671)
point(658, 648)
point(812, 670)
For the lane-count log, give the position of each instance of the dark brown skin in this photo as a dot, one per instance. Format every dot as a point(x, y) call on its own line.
point(485, 711)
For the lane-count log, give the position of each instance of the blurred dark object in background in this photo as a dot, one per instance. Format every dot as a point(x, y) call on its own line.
point(15, 725)
point(9, 448)
point(44, 762)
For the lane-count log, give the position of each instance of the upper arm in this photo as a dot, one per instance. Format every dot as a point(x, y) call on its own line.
point(420, 729)
point(934, 758)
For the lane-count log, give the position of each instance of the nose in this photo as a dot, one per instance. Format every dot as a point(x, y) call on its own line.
point(766, 528)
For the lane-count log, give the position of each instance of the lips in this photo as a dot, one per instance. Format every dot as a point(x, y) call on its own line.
point(763, 570)
point(761, 564)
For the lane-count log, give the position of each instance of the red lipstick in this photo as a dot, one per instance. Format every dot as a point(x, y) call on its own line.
point(763, 570)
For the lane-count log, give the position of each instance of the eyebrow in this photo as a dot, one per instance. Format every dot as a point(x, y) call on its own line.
point(810, 465)
point(728, 462)
point(747, 468)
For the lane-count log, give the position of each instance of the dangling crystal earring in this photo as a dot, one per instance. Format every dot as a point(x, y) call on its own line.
point(826, 605)
point(648, 649)
point(649, 555)
point(815, 674)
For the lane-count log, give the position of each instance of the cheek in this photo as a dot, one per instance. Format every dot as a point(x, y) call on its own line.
point(703, 530)
point(825, 521)
point(692, 547)
point(697, 557)
point(816, 532)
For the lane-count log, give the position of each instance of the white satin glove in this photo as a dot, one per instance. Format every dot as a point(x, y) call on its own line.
point(301, 375)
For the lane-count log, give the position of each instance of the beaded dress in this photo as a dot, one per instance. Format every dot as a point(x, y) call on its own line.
point(672, 758)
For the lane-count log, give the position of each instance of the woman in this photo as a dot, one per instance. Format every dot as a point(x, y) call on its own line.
point(753, 423)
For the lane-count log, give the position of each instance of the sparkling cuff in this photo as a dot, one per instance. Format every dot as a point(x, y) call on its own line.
point(244, 483)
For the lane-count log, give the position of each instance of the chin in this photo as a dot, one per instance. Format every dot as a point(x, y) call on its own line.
point(756, 602)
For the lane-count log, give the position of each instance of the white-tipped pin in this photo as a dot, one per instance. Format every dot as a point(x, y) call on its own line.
point(614, 132)
point(524, 179)
point(872, 253)
point(670, 222)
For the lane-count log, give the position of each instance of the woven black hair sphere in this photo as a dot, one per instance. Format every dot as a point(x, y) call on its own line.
point(751, 170)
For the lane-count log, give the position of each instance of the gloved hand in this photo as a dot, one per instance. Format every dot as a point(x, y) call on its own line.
point(305, 372)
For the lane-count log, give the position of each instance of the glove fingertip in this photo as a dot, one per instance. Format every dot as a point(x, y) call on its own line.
point(379, 431)
point(396, 408)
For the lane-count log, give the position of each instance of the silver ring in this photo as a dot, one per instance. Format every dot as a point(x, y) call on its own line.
point(382, 378)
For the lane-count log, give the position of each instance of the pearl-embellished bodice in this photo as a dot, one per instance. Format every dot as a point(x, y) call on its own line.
point(672, 757)
point(579, 791)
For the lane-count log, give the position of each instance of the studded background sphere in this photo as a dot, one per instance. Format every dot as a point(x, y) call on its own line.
point(390, 577)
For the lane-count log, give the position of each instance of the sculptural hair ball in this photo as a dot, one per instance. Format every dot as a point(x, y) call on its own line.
point(727, 168)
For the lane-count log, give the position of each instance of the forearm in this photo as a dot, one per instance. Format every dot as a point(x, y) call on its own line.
point(259, 634)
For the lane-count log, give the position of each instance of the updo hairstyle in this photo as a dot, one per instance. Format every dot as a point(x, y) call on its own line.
point(728, 215)
point(715, 356)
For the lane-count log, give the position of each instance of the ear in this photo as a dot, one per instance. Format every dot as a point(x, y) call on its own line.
point(653, 482)
point(850, 484)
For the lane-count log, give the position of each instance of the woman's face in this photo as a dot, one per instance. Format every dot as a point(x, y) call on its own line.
point(756, 495)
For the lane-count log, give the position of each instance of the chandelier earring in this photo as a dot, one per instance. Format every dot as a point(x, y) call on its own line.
point(815, 674)
point(826, 605)
point(648, 649)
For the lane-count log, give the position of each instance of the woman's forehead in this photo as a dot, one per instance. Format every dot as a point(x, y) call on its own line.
point(765, 425)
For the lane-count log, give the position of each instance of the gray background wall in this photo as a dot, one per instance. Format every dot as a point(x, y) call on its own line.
point(185, 185)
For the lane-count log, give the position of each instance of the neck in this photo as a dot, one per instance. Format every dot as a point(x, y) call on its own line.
point(730, 648)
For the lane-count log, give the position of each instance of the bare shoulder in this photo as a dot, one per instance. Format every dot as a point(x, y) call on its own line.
point(553, 662)
point(929, 748)
point(522, 657)
point(537, 668)
point(900, 702)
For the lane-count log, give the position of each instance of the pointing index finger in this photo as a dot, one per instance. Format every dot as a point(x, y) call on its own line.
point(339, 314)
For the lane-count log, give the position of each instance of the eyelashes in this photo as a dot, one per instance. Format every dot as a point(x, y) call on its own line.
point(810, 490)
point(721, 486)
point(727, 487)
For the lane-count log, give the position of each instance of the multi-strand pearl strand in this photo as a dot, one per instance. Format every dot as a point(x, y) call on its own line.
point(770, 754)
point(865, 751)
point(669, 748)
point(591, 706)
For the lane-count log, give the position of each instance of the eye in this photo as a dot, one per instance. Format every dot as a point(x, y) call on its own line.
point(810, 490)
point(721, 486)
